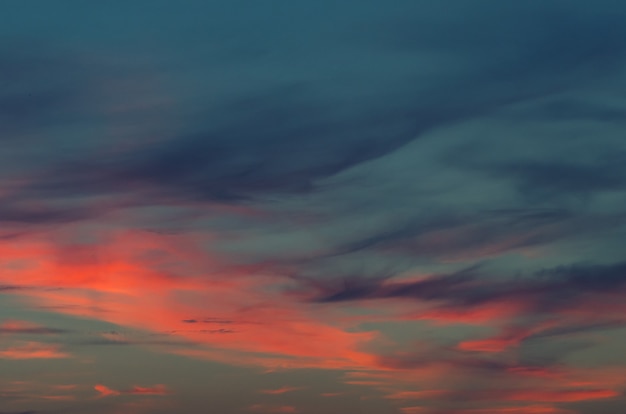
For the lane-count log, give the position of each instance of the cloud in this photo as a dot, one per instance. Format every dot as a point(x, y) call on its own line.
point(554, 396)
point(281, 390)
point(430, 193)
point(33, 350)
point(468, 288)
point(234, 152)
point(19, 412)
point(298, 338)
point(9, 288)
point(105, 391)
point(24, 327)
point(269, 408)
point(531, 409)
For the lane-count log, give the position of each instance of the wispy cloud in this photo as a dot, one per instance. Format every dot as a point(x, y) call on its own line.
point(28, 328)
point(105, 391)
point(33, 350)
point(281, 390)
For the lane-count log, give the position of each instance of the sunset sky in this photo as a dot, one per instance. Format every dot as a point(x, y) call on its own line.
point(313, 207)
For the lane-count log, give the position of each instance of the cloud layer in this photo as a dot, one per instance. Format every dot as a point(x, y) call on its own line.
point(410, 208)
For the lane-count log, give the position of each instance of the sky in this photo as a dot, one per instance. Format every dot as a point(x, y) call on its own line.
point(303, 207)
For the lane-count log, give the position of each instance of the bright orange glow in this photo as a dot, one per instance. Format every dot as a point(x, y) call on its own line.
point(109, 282)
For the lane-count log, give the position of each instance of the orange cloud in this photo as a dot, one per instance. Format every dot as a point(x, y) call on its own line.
point(58, 397)
point(478, 315)
point(106, 391)
point(247, 315)
point(559, 395)
point(65, 387)
point(17, 326)
point(149, 281)
point(489, 345)
point(533, 409)
point(510, 337)
point(33, 350)
point(538, 395)
point(331, 394)
point(159, 389)
point(279, 391)
point(417, 395)
point(135, 390)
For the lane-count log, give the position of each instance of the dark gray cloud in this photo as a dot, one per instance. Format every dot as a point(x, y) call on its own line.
point(547, 290)
point(288, 138)
point(31, 330)
point(10, 288)
point(464, 233)
point(19, 412)
point(216, 321)
point(273, 145)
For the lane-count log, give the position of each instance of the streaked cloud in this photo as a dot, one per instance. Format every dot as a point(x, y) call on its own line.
point(313, 207)
point(33, 350)
point(134, 390)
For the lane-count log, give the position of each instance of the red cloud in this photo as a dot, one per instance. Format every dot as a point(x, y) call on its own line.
point(538, 395)
point(105, 391)
point(512, 336)
point(331, 394)
point(418, 395)
point(33, 350)
point(149, 281)
point(159, 389)
point(489, 345)
point(533, 409)
point(135, 390)
point(282, 390)
point(558, 395)
point(478, 315)
point(17, 326)
point(159, 282)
